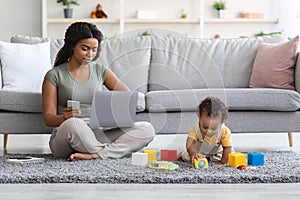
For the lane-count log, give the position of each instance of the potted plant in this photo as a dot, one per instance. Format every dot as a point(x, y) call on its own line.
point(220, 6)
point(68, 12)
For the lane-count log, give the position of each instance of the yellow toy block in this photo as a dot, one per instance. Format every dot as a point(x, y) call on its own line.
point(151, 154)
point(236, 159)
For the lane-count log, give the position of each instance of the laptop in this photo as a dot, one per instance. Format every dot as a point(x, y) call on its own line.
point(112, 109)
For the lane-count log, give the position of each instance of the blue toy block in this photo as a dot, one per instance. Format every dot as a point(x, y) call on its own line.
point(255, 159)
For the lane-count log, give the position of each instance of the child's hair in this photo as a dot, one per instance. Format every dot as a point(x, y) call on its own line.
point(214, 108)
point(74, 33)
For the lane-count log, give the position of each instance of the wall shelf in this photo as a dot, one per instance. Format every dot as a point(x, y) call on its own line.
point(242, 20)
point(161, 21)
point(90, 20)
point(199, 23)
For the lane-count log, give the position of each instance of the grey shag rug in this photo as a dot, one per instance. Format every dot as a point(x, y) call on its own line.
point(280, 167)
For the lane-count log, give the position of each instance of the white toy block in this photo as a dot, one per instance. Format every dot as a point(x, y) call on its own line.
point(140, 159)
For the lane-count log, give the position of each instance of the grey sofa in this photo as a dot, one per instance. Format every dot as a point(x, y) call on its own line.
point(175, 74)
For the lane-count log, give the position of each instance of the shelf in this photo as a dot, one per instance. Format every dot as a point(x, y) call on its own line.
point(242, 20)
point(196, 25)
point(161, 21)
point(127, 21)
point(90, 20)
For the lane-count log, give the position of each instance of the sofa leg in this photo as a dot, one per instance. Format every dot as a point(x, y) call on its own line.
point(291, 142)
point(5, 141)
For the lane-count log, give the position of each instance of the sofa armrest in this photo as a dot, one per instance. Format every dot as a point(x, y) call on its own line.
point(297, 74)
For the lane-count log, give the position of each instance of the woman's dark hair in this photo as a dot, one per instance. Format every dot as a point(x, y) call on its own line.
point(74, 33)
point(214, 108)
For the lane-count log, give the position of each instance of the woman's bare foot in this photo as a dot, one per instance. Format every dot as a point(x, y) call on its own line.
point(83, 156)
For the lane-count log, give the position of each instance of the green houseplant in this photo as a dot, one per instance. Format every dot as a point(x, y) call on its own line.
point(68, 12)
point(220, 6)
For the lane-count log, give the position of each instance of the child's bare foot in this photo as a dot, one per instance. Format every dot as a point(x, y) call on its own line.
point(83, 156)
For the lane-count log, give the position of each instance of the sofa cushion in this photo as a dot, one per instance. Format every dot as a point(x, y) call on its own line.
point(24, 65)
point(20, 101)
point(55, 44)
point(297, 74)
point(274, 65)
point(1, 84)
point(129, 59)
point(235, 99)
point(182, 63)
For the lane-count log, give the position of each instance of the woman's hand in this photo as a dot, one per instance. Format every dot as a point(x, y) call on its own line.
point(69, 113)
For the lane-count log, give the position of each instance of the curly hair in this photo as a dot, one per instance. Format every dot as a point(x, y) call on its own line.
point(214, 108)
point(74, 33)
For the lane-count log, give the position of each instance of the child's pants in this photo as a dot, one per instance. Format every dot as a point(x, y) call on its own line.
point(74, 135)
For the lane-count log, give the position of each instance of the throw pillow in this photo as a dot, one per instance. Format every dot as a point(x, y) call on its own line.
point(274, 65)
point(24, 65)
point(55, 44)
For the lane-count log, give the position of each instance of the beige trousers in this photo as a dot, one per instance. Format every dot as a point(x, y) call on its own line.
point(74, 135)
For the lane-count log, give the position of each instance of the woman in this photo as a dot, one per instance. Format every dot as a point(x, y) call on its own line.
point(76, 77)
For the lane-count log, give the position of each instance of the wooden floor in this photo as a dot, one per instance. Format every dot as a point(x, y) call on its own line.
point(153, 192)
point(242, 142)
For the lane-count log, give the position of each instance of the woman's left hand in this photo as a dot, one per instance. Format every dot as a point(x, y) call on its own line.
point(69, 113)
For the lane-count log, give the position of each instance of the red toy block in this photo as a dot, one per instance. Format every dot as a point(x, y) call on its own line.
point(168, 155)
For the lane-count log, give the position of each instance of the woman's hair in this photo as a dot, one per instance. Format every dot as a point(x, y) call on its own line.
point(214, 108)
point(74, 33)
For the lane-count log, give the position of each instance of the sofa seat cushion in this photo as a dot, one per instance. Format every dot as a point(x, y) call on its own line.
point(20, 101)
point(236, 99)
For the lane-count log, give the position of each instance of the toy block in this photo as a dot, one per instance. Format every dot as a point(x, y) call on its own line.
point(236, 159)
point(151, 154)
point(139, 159)
point(168, 155)
point(255, 159)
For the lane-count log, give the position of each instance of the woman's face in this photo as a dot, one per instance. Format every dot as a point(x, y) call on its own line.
point(85, 50)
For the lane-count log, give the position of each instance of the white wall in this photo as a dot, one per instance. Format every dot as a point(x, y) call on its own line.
point(20, 17)
point(289, 17)
point(24, 16)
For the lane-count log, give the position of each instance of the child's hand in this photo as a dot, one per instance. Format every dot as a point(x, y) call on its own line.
point(196, 156)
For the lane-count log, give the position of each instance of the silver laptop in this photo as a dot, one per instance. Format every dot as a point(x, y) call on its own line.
point(113, 109)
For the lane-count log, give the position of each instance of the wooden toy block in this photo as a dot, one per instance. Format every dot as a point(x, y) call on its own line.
point(255, 159)
point(151, 154)
point(139, 159)
point(168, 155)
point(236, 159)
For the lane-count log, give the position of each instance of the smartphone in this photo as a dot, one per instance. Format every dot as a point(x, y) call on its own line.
point(74, 104)
point(23, 159)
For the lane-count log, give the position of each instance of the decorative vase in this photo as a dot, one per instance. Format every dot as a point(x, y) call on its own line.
point(68, 12)
point(220, 13)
